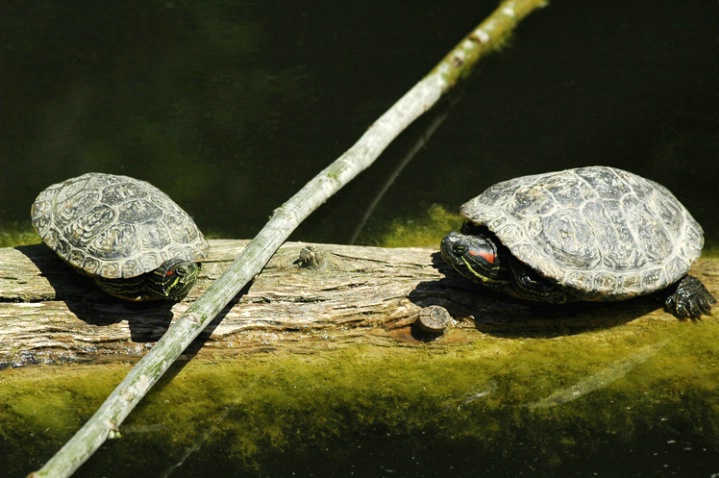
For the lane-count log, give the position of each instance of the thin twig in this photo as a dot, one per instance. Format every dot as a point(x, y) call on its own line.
point(406, 159)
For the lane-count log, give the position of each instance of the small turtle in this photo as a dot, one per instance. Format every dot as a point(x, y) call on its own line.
point(586, 234)
point(127, 235)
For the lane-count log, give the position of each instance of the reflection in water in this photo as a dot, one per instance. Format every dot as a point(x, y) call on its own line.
point(600, 379)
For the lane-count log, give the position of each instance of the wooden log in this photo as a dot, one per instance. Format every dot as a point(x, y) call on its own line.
point(310, 297)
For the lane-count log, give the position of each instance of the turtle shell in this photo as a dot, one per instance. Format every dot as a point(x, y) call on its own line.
point(605, 233)
point(115, 226)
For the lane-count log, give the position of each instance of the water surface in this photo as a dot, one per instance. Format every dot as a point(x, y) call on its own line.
point(231, 107)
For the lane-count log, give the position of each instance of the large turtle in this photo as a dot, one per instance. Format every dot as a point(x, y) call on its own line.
point(594, 233)
point(125, 234)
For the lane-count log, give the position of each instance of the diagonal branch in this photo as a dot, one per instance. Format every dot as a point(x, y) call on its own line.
point(458, 63)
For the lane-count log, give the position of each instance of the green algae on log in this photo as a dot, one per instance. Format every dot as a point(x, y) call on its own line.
point(496, 396)
point(351, 295)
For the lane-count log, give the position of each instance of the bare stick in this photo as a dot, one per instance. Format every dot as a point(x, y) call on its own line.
point(458, 63)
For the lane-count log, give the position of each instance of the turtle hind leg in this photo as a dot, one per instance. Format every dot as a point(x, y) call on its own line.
point(689, 299)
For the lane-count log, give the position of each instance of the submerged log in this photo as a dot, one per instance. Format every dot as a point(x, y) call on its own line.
point(310, 297)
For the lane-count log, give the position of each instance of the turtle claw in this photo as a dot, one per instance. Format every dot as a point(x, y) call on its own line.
point(690, 299)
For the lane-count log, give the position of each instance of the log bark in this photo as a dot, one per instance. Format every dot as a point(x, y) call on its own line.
point(49, 313)
point(309, 298)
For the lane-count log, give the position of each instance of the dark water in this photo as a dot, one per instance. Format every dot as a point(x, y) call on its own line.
point(230, 107)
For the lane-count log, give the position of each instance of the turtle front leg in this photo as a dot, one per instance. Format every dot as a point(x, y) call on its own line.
point(531, 286)
point(690, 299)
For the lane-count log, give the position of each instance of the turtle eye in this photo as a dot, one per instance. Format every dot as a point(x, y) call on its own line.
point(459, 249)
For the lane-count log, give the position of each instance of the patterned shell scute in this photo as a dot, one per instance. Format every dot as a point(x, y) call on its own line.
point(600, 231)
point(115, 226)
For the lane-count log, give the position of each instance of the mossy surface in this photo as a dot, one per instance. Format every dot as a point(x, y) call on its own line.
point(17, 234)
point(426, 230)
point(561, 398)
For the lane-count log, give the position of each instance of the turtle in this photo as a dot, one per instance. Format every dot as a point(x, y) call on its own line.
point(128, 236)
point(593, 233)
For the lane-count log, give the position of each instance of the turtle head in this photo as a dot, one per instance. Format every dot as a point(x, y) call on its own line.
point(476, 256)
point(172, 280)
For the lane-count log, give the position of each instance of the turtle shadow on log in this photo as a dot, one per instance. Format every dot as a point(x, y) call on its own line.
point(147, 321)
point(500, 315)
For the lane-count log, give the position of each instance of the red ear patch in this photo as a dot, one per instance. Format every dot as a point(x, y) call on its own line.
point(169, 273)
point(486, 255)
